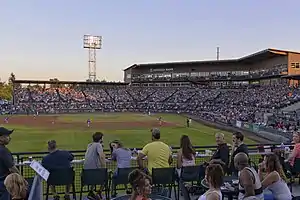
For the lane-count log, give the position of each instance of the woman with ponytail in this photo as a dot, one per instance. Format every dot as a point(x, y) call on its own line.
point(141, 185)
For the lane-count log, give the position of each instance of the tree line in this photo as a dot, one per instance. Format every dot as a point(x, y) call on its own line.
point(6, 88)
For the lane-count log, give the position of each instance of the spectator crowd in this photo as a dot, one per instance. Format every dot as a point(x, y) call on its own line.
point(245, 104)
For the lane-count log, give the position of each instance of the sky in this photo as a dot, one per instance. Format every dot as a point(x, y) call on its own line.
point(43, 39)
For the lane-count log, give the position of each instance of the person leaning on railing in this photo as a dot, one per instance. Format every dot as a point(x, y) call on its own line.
point(186, 154)
point(57, 159)
point(7, 164)
point(95, 159)
point(159, 154)
point(122, 156)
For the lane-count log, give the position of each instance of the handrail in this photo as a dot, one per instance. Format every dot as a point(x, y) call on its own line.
point(173, 148)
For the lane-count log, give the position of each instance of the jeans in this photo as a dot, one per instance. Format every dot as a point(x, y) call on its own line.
point(4, 195)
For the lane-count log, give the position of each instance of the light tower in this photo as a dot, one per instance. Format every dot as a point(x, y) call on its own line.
point(92, 43)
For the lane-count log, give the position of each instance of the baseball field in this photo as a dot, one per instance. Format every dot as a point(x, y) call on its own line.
point(72, 133)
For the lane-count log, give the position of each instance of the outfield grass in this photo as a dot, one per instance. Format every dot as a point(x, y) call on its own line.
point(34, 137)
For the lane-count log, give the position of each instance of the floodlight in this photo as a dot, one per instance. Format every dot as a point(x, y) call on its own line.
point(92, 42)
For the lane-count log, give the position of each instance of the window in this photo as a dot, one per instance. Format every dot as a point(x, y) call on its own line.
point(297, 65)
point(193, 74)
point(293, 65)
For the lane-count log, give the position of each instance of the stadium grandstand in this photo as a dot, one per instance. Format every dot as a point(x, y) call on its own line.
point(261, 67)
point(248, 90)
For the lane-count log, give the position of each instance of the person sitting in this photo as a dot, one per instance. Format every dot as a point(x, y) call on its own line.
point(141, 185)
point(186, 153)
point(249, 181)
point(221, 156)
point(289, 163)
point(238, 146)
point(275, 179)
point(57, 159)
point(17, 186)
point(214, 177)
point(123, 157)
point(159, 154)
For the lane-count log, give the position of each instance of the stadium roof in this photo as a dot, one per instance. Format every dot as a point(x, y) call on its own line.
point(264, 54)
point(293, 77)
point(68, 82)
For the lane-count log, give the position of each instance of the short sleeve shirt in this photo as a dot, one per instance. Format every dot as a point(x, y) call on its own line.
point(6, 161)
point(92, 156)
point(58, 159)
point(158, 154)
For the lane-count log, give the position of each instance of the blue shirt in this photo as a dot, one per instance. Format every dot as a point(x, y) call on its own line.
point(57, 159)
point(122, 156)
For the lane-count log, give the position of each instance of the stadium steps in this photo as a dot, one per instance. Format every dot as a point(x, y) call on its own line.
point(111, 98)
point(291, 108)
point(131, 95)
point(30, 96)
point(59, 96)
point(166, 99)
point(86, 99)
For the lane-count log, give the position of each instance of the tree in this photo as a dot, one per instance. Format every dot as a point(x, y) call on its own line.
point(5, 91)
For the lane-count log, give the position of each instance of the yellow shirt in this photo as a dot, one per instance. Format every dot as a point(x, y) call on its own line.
point(158, 154)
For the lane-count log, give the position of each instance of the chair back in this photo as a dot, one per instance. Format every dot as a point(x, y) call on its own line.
point(190, 173)
point(62, 176)
point(163, 176)
point(296, 167)
point(122, 175)
point(94, 176)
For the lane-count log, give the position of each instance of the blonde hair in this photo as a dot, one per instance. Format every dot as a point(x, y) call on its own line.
point(220, 135)
point(16, 185)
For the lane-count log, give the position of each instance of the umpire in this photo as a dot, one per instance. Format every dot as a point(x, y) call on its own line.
point(7, 164)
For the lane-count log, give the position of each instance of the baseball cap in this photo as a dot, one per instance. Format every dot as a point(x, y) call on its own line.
point(4, 131)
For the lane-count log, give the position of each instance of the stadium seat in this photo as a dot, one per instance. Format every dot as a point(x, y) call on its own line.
point(61, 177)
point(95, 177)
point(188, 174)
point(120, 178)
point(164, 177)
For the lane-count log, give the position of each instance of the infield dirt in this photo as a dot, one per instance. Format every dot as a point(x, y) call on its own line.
point(55, 122)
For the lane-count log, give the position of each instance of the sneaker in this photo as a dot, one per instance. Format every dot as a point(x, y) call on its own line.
point(91, 196)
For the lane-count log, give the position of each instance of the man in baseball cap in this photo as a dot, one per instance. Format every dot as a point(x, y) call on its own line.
point(7, 164)
point(5, 132)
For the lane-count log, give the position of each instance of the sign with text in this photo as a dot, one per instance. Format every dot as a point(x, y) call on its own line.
point(40, 170)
